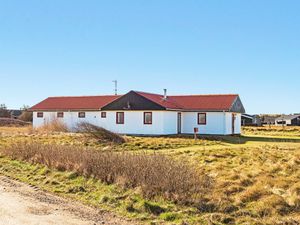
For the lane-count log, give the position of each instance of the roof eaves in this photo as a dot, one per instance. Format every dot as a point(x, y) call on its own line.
point(62, 110)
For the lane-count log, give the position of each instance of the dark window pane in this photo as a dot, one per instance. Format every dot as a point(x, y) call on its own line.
point(148, 118)
point(201, 118)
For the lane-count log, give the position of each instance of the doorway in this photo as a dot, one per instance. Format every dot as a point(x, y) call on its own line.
point(179, 123)
point(233, 123)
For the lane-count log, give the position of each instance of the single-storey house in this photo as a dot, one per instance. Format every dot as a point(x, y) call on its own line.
point(251, 120)
point(14, 113)
point(140, 113)
point(268, 119)
point(288, 120)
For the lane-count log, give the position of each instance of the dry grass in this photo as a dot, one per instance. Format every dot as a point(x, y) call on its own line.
point(9, 131)
point(99, 133)
point(5, 122)
point(55, 125)
point(155, 174)
point(253, 183)
point(256, 181)
point(291, 131)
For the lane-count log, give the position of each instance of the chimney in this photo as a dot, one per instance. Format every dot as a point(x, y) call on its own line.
point(165, 94)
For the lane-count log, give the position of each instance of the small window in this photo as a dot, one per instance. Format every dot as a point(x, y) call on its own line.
point(120, 117)
point(81, 114)
point(103, 114)
point(40, 115)
point(60, 115)
point(147, 117)
point(201, 118)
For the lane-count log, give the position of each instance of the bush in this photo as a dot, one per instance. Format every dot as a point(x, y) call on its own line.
point(54, 125)
point(155, 174)
point(26, 116)
point(99, 133)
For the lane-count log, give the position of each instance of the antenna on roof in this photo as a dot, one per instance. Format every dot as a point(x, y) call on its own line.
point(116, 86)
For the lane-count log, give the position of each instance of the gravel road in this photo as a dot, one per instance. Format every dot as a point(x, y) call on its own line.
point(21, 204)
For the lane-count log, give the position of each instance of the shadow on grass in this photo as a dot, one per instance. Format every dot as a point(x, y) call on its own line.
point(244, 139)
point(238, 139)
point(235, 139)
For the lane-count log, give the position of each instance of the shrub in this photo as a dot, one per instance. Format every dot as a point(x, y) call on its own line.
point(54, 125)
point(155, 174)
point(26, 116)
point(99, 133)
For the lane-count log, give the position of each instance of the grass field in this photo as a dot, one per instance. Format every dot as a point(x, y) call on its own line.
point(256, 176)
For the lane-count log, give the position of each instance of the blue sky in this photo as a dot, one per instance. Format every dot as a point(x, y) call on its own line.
point(69, 47)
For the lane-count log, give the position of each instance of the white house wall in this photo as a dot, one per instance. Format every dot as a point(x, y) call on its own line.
point(238, 122)
point(163, 122)
point(70, 118)
point(287, 122)
point(170, 122)
point(214, 123)
point(134, 123)
point(219, 123)
point(228, 123)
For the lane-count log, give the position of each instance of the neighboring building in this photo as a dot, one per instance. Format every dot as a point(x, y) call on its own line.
point(251, 120)
point(140, 113)
point(268, 119)
point(288, 120)
point(14, 114)
point(10, 113)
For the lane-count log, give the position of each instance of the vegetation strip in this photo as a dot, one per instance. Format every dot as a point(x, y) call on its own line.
point(256, 179)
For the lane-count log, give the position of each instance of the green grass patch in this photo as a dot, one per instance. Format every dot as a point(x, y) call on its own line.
point(128, 203)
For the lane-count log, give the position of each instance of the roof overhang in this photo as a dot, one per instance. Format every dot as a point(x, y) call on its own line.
point(62, 110)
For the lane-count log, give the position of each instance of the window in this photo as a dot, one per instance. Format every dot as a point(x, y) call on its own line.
point(81, 114)
point(103, 114)
point(60, 115)
point(201, 118)
point(120, 117)
point(40, 115)
point(147, 117)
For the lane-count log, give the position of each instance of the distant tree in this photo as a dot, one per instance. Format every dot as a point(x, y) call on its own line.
point(3, 111)
point(3, 106)
point(26, 115)
point(25, 107)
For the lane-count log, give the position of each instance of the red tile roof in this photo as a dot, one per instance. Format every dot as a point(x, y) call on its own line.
point(182, 102)
point(75, 103)
point(193, 102)
point(169, 103)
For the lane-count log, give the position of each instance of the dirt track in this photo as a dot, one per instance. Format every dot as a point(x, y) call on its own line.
point(21, 204)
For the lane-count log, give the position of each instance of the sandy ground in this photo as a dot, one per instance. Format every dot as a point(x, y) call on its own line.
point(21, 204)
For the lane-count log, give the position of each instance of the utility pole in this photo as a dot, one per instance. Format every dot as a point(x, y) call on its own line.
point(116, 86)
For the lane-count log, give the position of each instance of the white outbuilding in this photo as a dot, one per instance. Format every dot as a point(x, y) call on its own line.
point(140, 113)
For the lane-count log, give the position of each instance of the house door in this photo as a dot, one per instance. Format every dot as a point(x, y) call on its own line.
point(179, 123)
point(233, 123)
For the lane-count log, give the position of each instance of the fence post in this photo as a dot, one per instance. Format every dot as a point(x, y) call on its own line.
point(195, 132)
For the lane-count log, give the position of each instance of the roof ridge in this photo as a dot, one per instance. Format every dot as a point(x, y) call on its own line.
point(168, 99)
point(203, 95)
point(143, 92)
point(229, 94)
